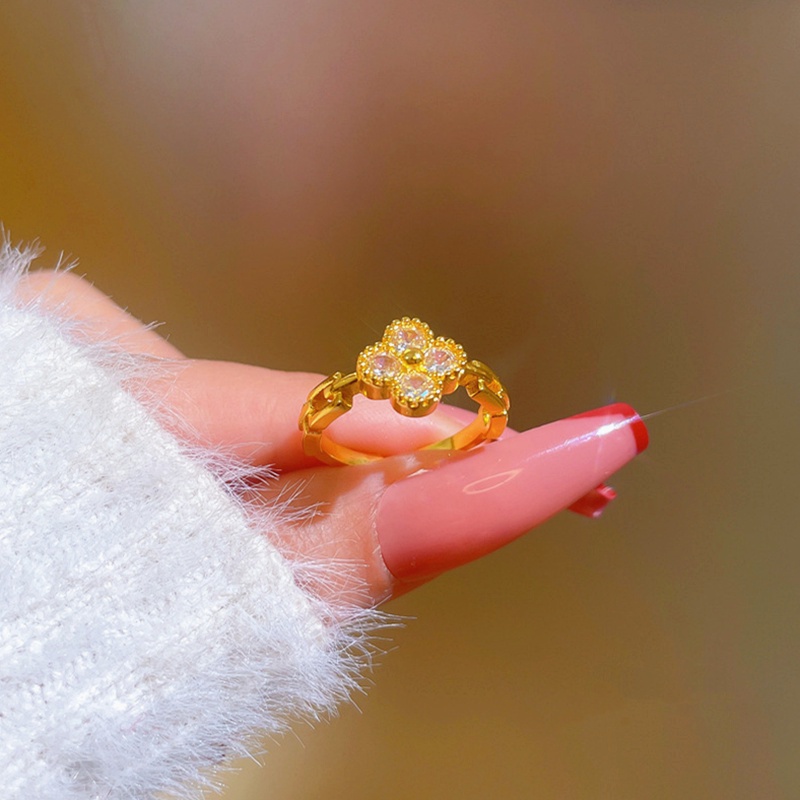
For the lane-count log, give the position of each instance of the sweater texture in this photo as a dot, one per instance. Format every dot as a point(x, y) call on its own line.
point(149, 629)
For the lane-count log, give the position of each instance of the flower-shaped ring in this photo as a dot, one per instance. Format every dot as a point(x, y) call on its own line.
point(414, 369)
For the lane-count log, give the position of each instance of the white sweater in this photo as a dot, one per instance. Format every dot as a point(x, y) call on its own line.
point(148, 628)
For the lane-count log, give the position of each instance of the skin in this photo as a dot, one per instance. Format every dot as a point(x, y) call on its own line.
point(251, 412)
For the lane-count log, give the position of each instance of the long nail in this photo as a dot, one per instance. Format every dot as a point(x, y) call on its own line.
point(476, 502)
point(591, 505)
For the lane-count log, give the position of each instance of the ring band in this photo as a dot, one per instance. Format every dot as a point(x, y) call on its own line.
point(414, 369)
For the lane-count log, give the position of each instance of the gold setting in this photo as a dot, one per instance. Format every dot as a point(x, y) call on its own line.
point(413, 369)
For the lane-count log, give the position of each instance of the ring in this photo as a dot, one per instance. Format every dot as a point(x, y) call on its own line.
point(414, 369)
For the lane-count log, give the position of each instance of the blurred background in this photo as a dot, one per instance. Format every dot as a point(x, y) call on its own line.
point(600, 199)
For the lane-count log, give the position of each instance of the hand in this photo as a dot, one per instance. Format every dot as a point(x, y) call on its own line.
point(393, 524)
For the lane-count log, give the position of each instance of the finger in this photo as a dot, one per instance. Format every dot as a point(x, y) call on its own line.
point(253, 413)
point(247, 411)
point(401, 522)
point(101, 318)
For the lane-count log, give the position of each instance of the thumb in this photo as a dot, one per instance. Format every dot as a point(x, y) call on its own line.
point(399, 522)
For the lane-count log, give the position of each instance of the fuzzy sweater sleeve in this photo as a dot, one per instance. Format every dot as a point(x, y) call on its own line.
point(148, 628)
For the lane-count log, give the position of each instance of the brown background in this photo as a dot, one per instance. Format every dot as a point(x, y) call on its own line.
point(599, 199)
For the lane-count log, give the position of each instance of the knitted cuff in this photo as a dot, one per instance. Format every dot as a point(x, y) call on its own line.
point(148, 628)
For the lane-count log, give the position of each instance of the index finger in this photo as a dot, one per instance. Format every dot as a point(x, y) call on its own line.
point(253, 412)
point(249, 412)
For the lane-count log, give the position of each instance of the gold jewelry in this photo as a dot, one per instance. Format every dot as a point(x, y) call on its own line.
point(414, 369)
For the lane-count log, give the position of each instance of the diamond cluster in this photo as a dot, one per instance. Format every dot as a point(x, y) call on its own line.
point(411, 366)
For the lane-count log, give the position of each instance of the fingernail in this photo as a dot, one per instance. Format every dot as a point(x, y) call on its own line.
point(632, 420)
point(594, 503)
point(473, 503)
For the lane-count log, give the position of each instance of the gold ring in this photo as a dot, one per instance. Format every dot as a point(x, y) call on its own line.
point(414, 369)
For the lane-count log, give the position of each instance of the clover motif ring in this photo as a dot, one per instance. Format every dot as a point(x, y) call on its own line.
point(413, 369)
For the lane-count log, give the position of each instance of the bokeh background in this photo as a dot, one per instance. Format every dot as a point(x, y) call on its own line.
point(600, 199)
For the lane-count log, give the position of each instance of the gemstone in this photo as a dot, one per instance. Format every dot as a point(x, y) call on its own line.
point(408, 336)
point(382, 366)
point(440, 360)
point(415, 388)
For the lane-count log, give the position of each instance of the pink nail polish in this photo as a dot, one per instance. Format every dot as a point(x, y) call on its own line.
point(475, 502)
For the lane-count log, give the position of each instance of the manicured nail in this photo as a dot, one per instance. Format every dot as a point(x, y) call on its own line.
point(594, 503)
point(475, 502)
point(591, 505)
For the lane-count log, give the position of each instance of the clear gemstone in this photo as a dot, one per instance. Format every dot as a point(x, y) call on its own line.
point(408, 337)
point(415, 387)
point(383, 365)
point(440, 360)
